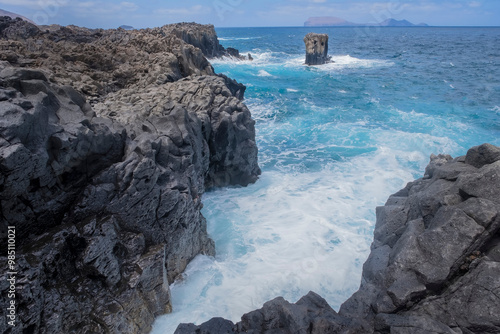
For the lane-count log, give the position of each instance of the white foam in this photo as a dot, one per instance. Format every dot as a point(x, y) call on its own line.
point(292, 90)
point(237, 38)
point(263, 73)
point(294, 232)
point(291, 233)
point(348, 62)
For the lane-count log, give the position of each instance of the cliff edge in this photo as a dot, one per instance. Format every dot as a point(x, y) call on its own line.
point(434, 265)
point(108, 139)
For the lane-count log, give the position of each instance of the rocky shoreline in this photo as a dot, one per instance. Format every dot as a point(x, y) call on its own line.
point(108, 139)
point(434, 265)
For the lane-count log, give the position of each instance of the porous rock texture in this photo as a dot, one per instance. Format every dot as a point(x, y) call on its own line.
point(105, 196)
point(434, 265)
point(316, 49)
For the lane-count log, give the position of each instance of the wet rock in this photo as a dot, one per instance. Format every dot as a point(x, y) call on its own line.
point(213, 326)
point(233, 52)
point(316, 49)
point(434, 263)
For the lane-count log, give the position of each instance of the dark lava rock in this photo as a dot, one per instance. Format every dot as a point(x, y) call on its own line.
point(434, 265)
point(106, 198)
point(316, 49)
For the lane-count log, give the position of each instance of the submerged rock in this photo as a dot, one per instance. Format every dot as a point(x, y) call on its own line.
point(316, 49)
point(106, 196)
point(434, 265)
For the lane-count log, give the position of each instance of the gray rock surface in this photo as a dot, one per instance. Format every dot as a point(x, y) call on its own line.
point(316, 49)
point(106, 196)
point(434, 265)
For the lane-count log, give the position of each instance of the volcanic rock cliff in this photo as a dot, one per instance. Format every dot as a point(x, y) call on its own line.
point(434, 265)
point(108, 139)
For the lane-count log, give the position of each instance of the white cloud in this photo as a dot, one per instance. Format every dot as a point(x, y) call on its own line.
point(194, 10)
point(87, 8)
point(34, 3)
point(474, 4)
point(129, 6)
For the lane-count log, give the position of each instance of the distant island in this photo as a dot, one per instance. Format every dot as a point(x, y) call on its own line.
point(14, 15)
point(126, 27)
point(330, 21)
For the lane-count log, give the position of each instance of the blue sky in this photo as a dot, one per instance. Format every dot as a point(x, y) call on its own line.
point(247, 13)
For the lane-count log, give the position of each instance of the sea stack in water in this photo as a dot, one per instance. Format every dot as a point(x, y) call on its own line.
point(316, 49)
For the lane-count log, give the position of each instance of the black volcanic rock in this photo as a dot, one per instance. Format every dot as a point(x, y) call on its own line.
point(434, 265)
point(14, 15)
point(316, 49)
point(203, 36)
point(16, 28)
point(106, 197)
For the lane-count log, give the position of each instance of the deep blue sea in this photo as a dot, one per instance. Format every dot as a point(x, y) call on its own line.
point(334, 142)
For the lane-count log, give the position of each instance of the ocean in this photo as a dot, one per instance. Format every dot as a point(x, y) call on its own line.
point(334, 142)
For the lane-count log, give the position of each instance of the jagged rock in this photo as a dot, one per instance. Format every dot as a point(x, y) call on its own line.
point(16, 29)
point(233, 52)
point(203, 36)
point(432, 227)
point(106, 199)
point(214, 325)
point(96, 61)
point(310, 315)
point(316, 49)
point(434, 265)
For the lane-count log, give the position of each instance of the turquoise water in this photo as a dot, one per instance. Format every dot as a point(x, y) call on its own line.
point(334, 142)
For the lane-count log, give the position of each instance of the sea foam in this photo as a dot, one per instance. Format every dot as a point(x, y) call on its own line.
point(334, 142)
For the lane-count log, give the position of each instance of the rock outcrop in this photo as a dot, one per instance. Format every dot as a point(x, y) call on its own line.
point(105, 196)
point(203, 36)
point(434, 265)
point(316, 49)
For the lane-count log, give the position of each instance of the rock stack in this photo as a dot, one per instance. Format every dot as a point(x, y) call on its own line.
point(434, 265)
point(316, 49)
point(105, 196)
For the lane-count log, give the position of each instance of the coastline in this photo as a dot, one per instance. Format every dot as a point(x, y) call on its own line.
point(105, 195)
point(175, 127)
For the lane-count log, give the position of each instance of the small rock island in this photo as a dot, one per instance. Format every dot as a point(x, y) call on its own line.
point(316, 49)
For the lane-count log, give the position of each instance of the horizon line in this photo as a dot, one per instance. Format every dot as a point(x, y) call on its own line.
point(363, 26)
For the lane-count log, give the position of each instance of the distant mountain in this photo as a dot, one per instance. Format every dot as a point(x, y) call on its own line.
point(127, 27)
point(14, 15)
point(324, 21)
point(330, 21)
point(400, 23)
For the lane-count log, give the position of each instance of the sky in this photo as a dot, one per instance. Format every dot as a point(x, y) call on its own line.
point(252, 13)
